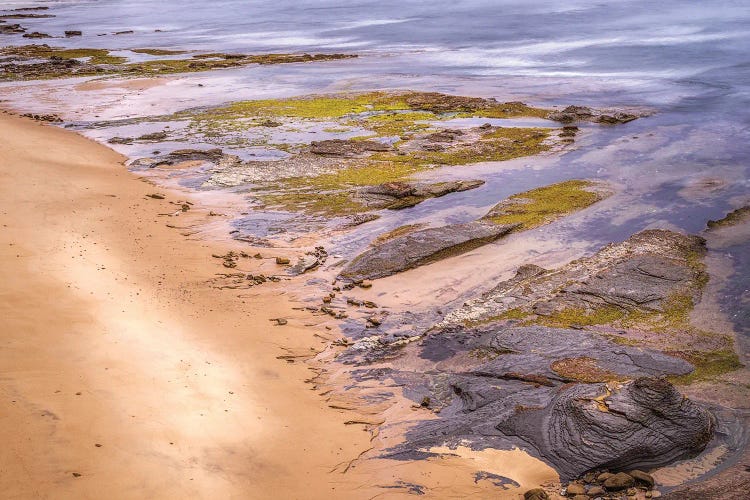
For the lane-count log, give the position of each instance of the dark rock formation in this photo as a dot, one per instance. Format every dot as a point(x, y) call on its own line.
point(421, 247)
point(341, 147)
point(11, 29)
point(36, 34)
point(573, 114)
point(397, 195)
point(643, 423)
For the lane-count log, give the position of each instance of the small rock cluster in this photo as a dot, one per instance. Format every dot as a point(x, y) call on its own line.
point(603, 485)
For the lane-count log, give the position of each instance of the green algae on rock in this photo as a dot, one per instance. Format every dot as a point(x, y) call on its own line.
point(40, 62)
point(545, 204)
point(416, 248)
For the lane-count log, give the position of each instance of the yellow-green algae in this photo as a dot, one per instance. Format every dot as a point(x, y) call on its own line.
point(102, 62)
point(574, 316)
point(543, 205)
point(94, 56)
point(385, 113)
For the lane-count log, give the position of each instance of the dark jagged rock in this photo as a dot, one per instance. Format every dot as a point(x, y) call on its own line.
point(573, 114)
point(36, 34)
point(421, 247)
point(341, 147)
point(308, 261)
point(644, 423)
point(11, 29)
point(398, 195)
point(70, 33)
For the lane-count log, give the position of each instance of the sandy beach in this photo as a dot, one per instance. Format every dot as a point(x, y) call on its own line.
point(119, 362)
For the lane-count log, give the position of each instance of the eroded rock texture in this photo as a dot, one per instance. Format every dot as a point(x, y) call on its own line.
point(643, 423)
point(571, 363)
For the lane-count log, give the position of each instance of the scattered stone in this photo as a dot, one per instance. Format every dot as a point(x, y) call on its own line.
point(309, 261)
point(11, 29)
point(280, 321)
point(50, 118)
point(70, 33)
point(375, 320)
point(156, 196)
point(282, 261)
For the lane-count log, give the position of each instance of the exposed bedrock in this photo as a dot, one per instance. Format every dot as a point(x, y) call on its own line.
point(568, 393)
point(640, 424)
point(422, 247)
point(576, 364)
point(640, 275)
point(518, 212)
point(346, 147)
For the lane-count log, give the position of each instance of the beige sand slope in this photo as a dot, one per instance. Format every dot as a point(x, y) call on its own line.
point(122, 374)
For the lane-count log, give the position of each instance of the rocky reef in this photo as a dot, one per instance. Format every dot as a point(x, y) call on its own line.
point(43, 62)
point(580, 365)
point(519, 212)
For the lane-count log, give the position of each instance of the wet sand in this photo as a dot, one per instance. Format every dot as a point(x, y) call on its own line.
point(125, 370)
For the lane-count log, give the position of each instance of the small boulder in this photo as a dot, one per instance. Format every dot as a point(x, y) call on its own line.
point(536, 494)
point(619, 481)
point(642, 479)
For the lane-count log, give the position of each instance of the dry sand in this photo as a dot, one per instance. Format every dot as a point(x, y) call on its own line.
point(125, 374)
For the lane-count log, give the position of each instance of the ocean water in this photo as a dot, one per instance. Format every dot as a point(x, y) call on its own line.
point(687, 61)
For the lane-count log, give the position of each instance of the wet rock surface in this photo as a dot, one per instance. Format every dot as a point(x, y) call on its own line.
point(340, 147)
point(421, 247)
point(639, 274)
